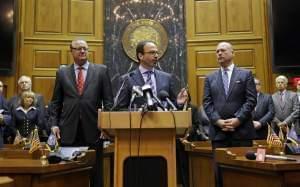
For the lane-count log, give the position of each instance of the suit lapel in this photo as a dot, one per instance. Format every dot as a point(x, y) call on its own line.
point(89, 75)
point(233, 80)
point(72, 75)
point(137, 78)
point(220, 82)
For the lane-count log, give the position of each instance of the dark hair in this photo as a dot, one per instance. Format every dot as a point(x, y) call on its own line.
point(140, 47)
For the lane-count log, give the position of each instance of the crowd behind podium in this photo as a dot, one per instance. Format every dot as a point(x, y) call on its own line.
point(27, 110)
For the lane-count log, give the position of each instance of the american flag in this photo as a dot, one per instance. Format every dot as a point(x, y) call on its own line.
point(272, 138)
point(35, 142)
point(18, 139)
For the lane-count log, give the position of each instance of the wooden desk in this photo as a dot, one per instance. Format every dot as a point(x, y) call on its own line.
point(237, 171)
point(28, 172)
point(201, 167)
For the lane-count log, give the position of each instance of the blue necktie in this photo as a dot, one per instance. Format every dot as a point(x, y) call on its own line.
point(149, 81)
point(225, 81)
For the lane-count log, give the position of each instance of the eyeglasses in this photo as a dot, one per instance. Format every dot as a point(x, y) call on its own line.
point(80, 48)
point(152, 53)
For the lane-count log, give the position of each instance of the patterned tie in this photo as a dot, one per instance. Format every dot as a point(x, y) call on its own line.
point(225, 81)
point(149, 81)
point(80, 80)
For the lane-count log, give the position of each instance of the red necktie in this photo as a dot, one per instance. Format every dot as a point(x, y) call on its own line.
point(80, 80)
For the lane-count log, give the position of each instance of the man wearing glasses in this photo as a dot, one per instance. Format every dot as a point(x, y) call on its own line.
point(80, 90)
point(147, 55)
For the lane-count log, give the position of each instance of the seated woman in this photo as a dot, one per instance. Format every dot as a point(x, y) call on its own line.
point(26, 117)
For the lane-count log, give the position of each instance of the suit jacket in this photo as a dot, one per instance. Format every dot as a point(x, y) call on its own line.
point(239, 103)
point(288, 110)
point(164, 82)
point(69, 108)
point(6, 119)
point(264, 113)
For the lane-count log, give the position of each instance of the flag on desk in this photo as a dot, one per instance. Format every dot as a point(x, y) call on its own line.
point(272, 138)
point(292, 135)
point(18, 139)
point(35, 141)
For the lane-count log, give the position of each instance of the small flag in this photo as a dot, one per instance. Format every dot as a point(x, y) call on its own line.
point(35, 141)
point(18, 139)
point(272, 138)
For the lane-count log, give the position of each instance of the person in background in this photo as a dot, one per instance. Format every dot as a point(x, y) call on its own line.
point(298, 89)
point(5, 117)
point(285, 105)
point(80, 90)
point(24, 84)
point(263, 112)
point(26, 117)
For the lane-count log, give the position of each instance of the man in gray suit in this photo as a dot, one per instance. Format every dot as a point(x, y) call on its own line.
point(263, 112)
point(80, 90)
point(229, 99)
point(285, 105)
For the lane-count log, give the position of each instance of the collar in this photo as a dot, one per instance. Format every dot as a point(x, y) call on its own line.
point(229, 68)
point(85, 66)
point(143, 70)
point(22, 109)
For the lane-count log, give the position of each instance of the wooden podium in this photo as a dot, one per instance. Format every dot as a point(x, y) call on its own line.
point(140, 134)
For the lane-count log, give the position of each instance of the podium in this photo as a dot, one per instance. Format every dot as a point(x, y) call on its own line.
point(143, 135)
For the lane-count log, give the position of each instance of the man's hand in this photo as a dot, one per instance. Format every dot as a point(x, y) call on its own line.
point(1, 119)
point(56, 131)
point(182, 97)
point(257, 124)
point(228, 124)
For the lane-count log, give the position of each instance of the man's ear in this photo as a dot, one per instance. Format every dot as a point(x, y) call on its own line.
point(140, 55)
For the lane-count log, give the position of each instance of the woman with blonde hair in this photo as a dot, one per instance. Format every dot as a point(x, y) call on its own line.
point(26, 117)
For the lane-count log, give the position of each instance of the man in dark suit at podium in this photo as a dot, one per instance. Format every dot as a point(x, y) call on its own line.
point(80, 90)
point(263, 112)
point(229, 99)
point(147, 54)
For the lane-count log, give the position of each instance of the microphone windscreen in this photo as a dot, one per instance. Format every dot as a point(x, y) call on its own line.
point(163, 94)
point(53, 159)
point(250, 155)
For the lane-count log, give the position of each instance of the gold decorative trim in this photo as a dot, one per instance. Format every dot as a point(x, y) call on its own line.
point(144, 29)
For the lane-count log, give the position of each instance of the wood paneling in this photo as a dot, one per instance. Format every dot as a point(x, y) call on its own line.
point(47, 59)
point(44, 86)
point(48, 16)
point(207, 18)
point(82, 17)
point(239, 16)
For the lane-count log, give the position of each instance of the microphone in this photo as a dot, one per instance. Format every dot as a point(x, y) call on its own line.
point(163, 95)
point(159, 103)
point(116, 100)
point(250, 155)
point(149, 95)
point(136, 92)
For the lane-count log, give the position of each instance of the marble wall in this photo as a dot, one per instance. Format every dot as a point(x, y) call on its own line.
point(169, 14)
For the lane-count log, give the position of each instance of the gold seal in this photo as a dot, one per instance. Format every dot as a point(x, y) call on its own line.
point(144, 29)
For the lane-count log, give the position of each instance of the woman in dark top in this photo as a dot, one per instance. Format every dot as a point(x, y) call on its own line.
point(26, 117)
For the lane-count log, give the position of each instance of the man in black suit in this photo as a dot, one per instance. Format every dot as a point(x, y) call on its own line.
point(80, 90)
point(263, 112)
point(147, 55)
point(229, 99)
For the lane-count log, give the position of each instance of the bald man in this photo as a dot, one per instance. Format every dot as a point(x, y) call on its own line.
point(229, 99)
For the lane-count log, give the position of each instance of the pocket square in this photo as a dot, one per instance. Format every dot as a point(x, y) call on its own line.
point(238, 82)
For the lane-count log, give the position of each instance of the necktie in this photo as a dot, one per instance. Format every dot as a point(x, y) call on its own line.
point(225, 81)
point(149, 81)
point(281, 99)
point(80, 80)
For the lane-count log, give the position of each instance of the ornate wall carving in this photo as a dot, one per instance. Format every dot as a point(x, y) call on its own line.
point(138, 15)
